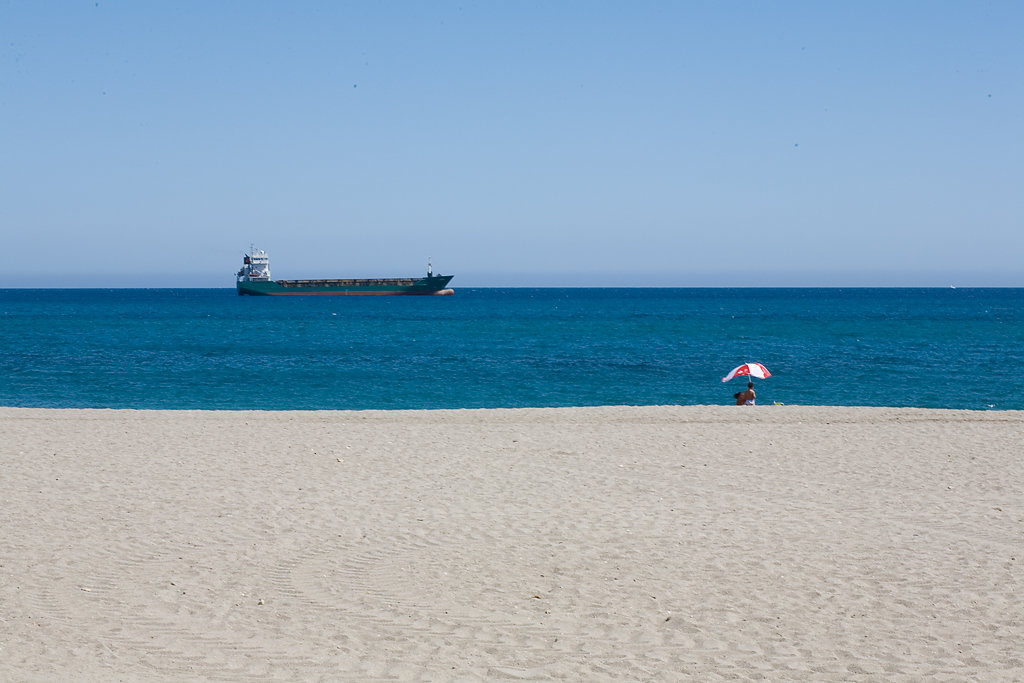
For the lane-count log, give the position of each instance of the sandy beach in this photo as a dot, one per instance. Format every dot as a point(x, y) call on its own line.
point(620, 543)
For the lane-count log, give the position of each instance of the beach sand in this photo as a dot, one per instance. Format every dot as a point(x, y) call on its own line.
point(619, 543)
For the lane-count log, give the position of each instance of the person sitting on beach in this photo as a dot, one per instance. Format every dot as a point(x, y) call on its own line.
point(749, 396)
point(740, 400)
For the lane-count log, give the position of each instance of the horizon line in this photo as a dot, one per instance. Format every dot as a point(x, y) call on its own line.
point(567, 286)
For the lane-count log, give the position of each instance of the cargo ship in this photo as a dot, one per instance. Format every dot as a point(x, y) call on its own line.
point(254, 280)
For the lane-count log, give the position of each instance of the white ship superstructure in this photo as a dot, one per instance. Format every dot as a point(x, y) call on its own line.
point(255, 266)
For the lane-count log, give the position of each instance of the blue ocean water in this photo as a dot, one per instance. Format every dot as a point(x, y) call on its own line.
point(484, 348)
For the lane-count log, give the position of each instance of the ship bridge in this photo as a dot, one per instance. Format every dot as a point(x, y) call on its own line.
point(255, 266)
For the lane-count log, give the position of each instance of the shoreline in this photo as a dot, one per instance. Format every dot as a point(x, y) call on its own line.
point(664, 406)
point(607, 542)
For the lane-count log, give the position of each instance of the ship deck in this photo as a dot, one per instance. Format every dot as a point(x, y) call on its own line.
point(352, 282)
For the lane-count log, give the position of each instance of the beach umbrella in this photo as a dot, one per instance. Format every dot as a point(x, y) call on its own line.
point(748, 370)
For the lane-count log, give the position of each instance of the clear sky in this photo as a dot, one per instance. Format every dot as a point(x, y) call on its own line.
point(514, 143)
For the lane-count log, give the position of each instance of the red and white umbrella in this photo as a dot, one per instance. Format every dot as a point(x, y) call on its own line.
point(748, 369)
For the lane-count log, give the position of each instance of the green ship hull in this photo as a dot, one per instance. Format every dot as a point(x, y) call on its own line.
point(430, 285)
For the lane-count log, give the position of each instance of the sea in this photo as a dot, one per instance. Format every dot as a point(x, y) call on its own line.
point(510, 348)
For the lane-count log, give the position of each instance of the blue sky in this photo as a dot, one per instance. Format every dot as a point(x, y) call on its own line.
point(514, 143)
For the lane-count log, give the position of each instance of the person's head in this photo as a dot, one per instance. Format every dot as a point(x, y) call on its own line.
point(750, 385)
point(737, 394)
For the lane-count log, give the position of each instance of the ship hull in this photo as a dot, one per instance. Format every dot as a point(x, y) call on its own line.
point(424, 286)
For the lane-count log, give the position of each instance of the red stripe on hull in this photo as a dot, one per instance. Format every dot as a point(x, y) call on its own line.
point(442, 292)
